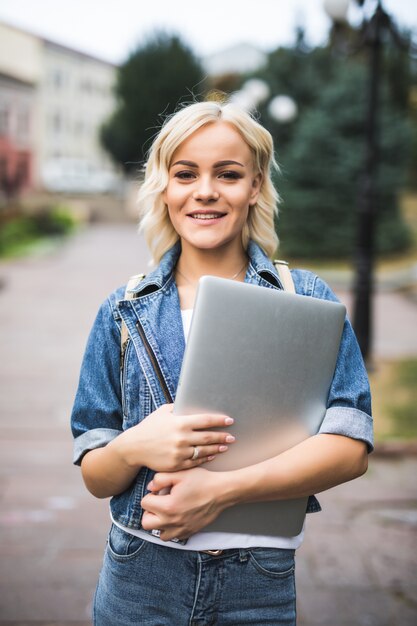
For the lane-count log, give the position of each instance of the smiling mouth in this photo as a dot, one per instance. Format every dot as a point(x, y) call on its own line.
point(206, 216)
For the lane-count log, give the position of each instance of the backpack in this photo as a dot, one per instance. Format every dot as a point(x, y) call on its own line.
point(282, 269)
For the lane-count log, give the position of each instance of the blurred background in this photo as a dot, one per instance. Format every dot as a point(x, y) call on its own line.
point(84, 87)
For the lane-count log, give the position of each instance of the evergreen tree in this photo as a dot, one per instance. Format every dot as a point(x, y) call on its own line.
point(151, 83)
point(322, 170)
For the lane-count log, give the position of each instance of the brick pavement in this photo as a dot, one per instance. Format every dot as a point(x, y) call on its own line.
point(357, 565)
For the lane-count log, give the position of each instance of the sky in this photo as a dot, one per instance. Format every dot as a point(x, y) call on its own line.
point(111, 29)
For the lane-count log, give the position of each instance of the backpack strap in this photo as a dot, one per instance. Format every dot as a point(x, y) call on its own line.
point(132, 283)
point(284, 275)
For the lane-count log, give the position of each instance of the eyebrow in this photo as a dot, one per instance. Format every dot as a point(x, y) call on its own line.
point(215, 166)
point(223, 163)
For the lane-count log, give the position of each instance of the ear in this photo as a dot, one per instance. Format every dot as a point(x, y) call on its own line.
point(256, 187)
point(164, 196)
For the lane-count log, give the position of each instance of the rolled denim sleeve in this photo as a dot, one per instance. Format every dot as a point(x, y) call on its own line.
point(97, 416)
point(349, 403)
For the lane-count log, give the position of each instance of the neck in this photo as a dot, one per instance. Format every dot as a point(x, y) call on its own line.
point(195, 263)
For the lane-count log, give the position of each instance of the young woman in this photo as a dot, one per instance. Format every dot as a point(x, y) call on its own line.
point(207, 206)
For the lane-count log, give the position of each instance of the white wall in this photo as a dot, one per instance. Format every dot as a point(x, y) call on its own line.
point(20, 54)
point(75, 97)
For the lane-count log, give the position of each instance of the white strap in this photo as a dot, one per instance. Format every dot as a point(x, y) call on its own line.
point(132, 283)
point(284, 275)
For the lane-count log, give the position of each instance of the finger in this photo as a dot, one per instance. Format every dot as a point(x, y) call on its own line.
point(153, 503)
point(201, 438)
point(200, 461)
point(161, 481)
point(206, 451)
point(169, 535)
point(150, 521)
point(207, 420)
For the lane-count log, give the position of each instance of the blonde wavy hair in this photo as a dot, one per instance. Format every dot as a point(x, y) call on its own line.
point(155, 223)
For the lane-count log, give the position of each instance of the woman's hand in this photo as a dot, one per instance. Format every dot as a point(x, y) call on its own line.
point(196, 497)
point(190, 501)
point(166, 442)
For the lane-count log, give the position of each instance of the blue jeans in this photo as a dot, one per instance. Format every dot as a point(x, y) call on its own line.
point(142, 583)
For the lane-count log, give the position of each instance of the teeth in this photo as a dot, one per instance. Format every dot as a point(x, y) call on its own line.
point(206, 216)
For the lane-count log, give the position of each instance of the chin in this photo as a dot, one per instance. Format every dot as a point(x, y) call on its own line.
point(204, 243)
point(207, 242)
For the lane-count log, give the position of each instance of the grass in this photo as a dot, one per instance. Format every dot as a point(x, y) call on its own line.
point(394, 395)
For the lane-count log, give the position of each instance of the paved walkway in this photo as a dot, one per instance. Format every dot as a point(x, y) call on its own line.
point(358, 565)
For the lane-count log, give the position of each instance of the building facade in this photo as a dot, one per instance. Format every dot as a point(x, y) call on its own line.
point(75, 97)
point(20, 55)
point(53, 101)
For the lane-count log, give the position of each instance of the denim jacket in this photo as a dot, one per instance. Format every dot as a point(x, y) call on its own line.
point(102, 409)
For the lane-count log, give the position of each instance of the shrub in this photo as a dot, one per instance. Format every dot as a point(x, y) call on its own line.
point(19, 231)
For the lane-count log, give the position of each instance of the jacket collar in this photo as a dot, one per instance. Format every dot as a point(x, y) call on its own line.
point(260, 267)
point(160, 322)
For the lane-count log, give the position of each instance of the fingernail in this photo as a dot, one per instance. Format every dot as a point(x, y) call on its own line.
point(222, 448)
point(228, 421)
point(230, 439)
point(210, 458)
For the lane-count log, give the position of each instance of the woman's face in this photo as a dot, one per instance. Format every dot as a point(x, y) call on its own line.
point(212, 185)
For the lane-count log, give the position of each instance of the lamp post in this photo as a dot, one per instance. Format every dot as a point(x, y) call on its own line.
point(367, 207)
point(367, 204)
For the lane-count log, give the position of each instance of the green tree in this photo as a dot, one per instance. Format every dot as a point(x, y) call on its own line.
point(322, 171)
point(299, 73)
point(321, 152)
point(150, 84)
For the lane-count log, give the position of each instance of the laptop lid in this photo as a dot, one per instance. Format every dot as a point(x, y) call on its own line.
point(266, 358)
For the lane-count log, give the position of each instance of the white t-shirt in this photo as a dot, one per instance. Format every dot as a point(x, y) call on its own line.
point(218, 541)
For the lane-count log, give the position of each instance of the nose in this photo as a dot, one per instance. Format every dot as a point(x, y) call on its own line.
point(205, 191)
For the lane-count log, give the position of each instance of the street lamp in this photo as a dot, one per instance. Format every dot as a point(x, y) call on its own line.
point(337, 10)
point(252, 93)
point(283, 109)
point(256, 91)
point(373, 31)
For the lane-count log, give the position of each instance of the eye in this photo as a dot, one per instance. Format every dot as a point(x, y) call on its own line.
point(185, 175)
point(230, 175)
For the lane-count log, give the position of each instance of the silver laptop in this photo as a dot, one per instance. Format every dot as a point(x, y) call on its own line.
point(266, 358)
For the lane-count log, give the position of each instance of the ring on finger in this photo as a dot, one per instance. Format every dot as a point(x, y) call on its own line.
point(196, 452)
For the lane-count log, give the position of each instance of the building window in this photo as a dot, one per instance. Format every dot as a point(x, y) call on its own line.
point(4, 120)
point(57, 79)
point(23, 124)
point(56, 123)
